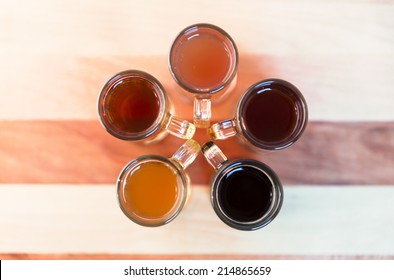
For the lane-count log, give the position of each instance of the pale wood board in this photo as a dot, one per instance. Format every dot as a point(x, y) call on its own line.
point(149, 27)
point(56, 56)
point(314, 220)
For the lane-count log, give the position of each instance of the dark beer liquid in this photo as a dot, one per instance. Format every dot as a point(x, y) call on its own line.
point(133, 105)
point(270, 114)
point(245, 194)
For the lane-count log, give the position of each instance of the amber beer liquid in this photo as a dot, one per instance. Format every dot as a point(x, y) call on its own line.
point(133, 105)
point(151, 190)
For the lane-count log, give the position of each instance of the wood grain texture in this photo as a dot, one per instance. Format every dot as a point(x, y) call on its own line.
point(82, 152)
point(339, 53)
point(146, 28)
point(67, 86)
point(85, 219)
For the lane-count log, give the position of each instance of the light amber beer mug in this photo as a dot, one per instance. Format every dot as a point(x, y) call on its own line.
point(203, 60)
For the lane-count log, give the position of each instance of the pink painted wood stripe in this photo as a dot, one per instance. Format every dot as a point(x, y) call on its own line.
point(81, 152)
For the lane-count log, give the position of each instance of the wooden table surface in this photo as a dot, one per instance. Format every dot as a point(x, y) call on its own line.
point(58, 166)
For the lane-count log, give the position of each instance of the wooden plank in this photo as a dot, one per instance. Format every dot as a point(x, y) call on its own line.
point(81, 152)
point(24, 256)
point(343, 62)
point(68, 86)
point(307, 27)
point(85, 220)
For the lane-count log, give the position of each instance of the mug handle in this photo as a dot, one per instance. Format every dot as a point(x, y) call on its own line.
point(214, 155)
point(187, 153)
point(202, 111)
point(222, 130)
point(179, 127)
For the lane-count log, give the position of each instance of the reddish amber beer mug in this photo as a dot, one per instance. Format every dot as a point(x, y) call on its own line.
point(133, 105)
point(203, 60)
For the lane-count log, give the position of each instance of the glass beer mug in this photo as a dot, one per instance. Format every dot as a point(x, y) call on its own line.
point(152, 190)
point(133, 105)
point(203, 60)
point(246, 194)
point(271, 115)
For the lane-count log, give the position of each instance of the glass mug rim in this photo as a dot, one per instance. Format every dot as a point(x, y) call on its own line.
point(182, 186)
point(277, 192)
point(302, 117)
point(233, 65)
point(159, 92)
